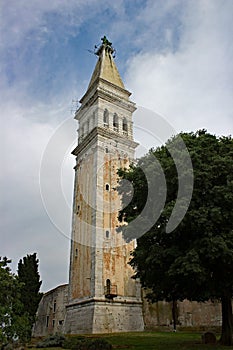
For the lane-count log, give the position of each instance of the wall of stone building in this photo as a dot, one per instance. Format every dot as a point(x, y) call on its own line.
point(190, 314)
point(56, 315)
point(51, 312)
point(102, 316)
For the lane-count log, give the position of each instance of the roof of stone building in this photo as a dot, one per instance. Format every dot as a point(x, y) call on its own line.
point(106, 68)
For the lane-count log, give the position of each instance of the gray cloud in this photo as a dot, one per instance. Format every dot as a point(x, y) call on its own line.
point(179, 64)
point(193, 86)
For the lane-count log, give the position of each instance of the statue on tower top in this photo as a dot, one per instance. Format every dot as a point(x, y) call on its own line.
point(105, 41)
point(105, 44)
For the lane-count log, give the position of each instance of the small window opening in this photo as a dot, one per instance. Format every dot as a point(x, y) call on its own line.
point(125, 125)
point(47, 321)
point(78, 209)
point(76, 252)
point(60, 322)
point(106, 118)
point(53, 323)
point(115, 122)
point(108, 285)
point(107, 187)
point(107, 234)
point(106, 150)
point(110, 290)
point(54, 306)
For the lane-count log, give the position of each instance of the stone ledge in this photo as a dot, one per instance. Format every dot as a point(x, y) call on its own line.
point(103, 300)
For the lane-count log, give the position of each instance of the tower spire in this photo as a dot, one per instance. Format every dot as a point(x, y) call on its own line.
point(105, 68)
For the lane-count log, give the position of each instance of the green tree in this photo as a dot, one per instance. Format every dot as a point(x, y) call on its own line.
point(195, 259)
point(13, 323)
point(29, 278)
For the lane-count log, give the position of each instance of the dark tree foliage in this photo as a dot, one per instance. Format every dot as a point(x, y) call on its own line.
point(195, 260)
point(29, 278)
point(14, 324)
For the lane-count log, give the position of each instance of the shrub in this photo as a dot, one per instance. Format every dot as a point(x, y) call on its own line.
point(81, 343)
point(72, 342)
point(52, 341)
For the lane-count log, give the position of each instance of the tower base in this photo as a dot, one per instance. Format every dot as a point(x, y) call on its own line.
point(103, 316)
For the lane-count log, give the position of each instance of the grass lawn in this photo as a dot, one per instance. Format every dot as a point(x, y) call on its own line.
point(160, 341)
point(157, 341)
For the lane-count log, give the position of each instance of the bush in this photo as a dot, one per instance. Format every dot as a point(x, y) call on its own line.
point(52, 341)
point(81, 343)
point(72, 342)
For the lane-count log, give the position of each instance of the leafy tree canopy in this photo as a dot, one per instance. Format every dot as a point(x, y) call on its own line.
point(14, 323)
point(19, 298)
point(195, 259)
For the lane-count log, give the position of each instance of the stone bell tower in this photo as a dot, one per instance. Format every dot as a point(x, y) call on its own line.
point(102, 295)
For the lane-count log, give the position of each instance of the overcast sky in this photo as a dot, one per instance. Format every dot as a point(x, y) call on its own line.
point(174, 56)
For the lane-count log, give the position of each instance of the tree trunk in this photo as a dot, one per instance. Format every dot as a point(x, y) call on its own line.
point(174, 314)
point(227, 321)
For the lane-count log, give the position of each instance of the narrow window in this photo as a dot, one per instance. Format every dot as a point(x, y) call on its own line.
point(47, 321)
point(53, 323)
point(107, 234)
point(106, 150)
point(125, 125)
point(54, 306)
point(108, 285)
point(107, 187)
point(115, 122)
point(78, 209)
point(76, 252)
point(106, 118)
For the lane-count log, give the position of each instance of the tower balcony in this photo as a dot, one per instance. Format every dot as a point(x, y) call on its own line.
point(110, 292)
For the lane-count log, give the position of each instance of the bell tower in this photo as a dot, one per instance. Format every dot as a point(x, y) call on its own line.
point(102, 295)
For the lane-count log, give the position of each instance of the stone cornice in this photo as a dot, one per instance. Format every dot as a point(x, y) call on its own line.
point(130, 301)
point(96, 84)
point(103, 92)
point(98, 131)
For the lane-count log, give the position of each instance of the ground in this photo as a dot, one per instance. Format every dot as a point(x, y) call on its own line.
point(159, 341)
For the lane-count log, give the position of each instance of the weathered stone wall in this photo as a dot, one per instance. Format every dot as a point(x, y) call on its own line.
point(123, 314)
point(102, 316)
point(190, 314)
point(51, 312)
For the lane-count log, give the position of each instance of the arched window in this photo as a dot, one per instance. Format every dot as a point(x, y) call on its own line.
point(115, 122)
point(107, 234)
point(107, 187)
point(106, 118)
point(125, 125)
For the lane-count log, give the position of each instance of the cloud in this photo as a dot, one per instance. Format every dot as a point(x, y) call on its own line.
point(25, 226)
point(177, 59)
point(192, 86)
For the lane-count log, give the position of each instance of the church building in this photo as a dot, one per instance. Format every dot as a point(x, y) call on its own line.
point(101, 296)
